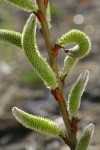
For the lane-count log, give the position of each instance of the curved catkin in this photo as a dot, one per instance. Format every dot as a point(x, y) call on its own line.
point(82, 41)
point(37, 123)
point(76, 92)
point(39, 63)
point(86, 138)
point(28, 5)
point(11, 37)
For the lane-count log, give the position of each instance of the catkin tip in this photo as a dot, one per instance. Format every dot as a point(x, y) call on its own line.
point(15, 111)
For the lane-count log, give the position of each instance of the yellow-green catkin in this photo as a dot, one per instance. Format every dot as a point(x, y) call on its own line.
point(31, 50)
point(11, 37)
point(86, 138)
point(82, 41)
point(69, 63)
point(37, 123)
point(76, 92)
point(82, 48)
point(28, 5)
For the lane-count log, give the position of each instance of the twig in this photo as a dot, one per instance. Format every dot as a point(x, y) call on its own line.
point(53, 62)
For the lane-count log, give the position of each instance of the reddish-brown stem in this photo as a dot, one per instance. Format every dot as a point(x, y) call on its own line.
point(66, 140)
point(63, 80)
point(57, 94)
point(46, 34)
point(56, 48)
point(74, 125)
point(46, 3)
point(52, 53)
point(70, 134)
point(40, 15)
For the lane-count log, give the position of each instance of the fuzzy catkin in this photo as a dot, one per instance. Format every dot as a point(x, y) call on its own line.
point(82, 48)
point(28, 5)
point(37, 123)
point(31, 50)
point(76, 92)
point(82, 41)
point(69, 63)
point(11, 37)
point(86, 138)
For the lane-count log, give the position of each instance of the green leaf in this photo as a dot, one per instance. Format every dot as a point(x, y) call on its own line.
point(39, 63)
point(76, 92)
point(86, 138)
point(82, 41)
point(28, 5)
point(37, 123)
point(11, 37)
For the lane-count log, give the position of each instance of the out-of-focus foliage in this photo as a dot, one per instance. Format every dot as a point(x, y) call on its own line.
point(30, 77)
point(5, 22)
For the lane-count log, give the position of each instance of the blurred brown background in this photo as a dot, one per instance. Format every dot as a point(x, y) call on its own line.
point(20, 86)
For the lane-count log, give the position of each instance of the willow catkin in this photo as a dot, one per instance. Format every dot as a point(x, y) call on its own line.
point(86, 138)
point(37, 123)
point(28, 5)
point(82, 41)
point(76, 92)
point(82, 48)
point(11, 37)
point(31, 50)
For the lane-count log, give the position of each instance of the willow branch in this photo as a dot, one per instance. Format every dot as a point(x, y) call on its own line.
point(53, 63)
